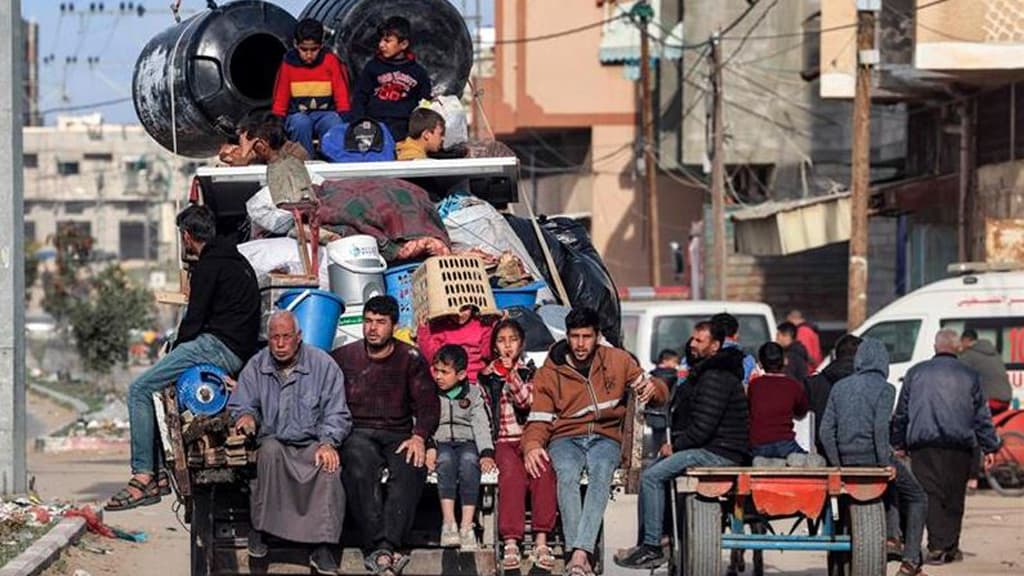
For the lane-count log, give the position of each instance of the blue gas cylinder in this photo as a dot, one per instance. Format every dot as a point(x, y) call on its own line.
point(202, 390)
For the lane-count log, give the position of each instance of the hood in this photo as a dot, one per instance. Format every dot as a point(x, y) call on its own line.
point(838, 369)
point(872, 356)
point(292, 57)
point(985, 347)
point(727, 360)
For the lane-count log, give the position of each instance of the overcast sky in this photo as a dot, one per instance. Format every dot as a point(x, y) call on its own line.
point(116, 40)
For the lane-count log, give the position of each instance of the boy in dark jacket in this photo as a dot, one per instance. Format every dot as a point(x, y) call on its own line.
point(311, 91)
point(797, 359)
point(855, 432)
point(819, 386)
point(392, 84)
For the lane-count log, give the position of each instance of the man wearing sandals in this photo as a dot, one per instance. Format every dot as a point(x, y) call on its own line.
point(292, 397)
point(220, 327)
point(395, 408)
point(575, 423)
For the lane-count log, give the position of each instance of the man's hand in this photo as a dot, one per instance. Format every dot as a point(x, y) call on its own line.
point(990, 460)
point(537, 461)
point(665, 451)
point(246, 425)
point(415, 451)
point(432, 459)
point(487, 465)
point(327, 458)
point(230, 383)
point(644, 390)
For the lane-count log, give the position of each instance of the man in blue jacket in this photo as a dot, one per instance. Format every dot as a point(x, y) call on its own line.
point(940, 416)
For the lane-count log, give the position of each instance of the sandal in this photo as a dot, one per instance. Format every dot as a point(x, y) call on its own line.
point(380, 563)
point(544, 558)
point(908, 569)
point(511, 556)
point(163, 481)
point(399, 561)
point(577, 570)
point(149, 494)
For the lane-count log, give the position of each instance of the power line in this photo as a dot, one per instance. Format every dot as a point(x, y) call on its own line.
point(560, 34)
point(753, 27)
point(100, 104)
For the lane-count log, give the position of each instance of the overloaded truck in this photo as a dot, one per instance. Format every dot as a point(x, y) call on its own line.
point(193, 84)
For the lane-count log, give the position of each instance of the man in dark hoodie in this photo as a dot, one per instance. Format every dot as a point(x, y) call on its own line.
point(220, 327)
point(982, 356)
point(710, 427)
point(391, 85)
point(855, 432)
point(819, 386)
point(797, 358)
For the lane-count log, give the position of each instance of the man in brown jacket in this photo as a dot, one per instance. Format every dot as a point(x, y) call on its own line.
point(575, 423)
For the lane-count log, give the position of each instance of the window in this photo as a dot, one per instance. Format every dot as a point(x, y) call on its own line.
point(673, 331)
point(68, 168)
point(132, 243)
point(30, 160)
point(76, 207)
point(105, 157)
point(1006, 333)
point(83, 228)
point(899, 337)
point(630, 332)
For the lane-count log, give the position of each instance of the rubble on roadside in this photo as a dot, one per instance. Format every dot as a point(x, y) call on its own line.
point(23, 520)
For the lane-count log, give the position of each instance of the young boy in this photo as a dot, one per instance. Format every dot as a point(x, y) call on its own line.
point(426, 135)
point(775, 400)
point(462, 446)
point(391, 85)
point(311, 90)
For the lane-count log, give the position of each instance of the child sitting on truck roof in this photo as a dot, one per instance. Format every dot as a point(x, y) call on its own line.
point(461, 447)
point(287, 177)
point(311, 91)
point(426, 135)
point(508, 383)
point(392, 84)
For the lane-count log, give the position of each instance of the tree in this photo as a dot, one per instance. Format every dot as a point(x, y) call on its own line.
point(31, 268)
point(69, 282)
point(101, 322)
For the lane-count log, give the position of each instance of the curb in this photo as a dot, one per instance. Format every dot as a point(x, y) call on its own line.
point(44, 551)
point(77, 405)
point(62, 444)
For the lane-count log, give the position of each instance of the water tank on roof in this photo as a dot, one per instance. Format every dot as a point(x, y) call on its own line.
point(440, 39)
point(215, 67)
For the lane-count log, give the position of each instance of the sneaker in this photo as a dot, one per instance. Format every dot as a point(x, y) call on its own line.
point(450, 536)
point(954, 555)
point(322, 560)
point(467, 539)
point(642, 557)
point(935, 557)
point(256, 547)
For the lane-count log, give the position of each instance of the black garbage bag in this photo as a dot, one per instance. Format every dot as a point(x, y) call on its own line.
point(538, 337)
point(580, 267)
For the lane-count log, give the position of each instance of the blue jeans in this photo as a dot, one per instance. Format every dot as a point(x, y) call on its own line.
point(654, 481)
point(206, 349)
point(780, 449)
point(582, 516)
point(906, 503)
point(458, 471)
point(301, 127)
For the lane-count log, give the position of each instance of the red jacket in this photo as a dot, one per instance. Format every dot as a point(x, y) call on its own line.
point(474, 337)
point(809, 338)
point(318, 87)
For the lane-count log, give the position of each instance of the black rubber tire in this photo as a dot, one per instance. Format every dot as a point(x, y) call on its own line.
point(201, 531)
point(1007, 476)
point(703, 555)
point(867, 538)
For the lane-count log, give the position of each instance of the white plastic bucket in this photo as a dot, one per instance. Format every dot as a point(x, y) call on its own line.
point(355, 269)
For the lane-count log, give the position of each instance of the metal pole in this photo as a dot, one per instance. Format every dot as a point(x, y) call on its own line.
point(650, 163)
point(856, 305)
point(12, 253)
point(719, 252)
point(963, 252)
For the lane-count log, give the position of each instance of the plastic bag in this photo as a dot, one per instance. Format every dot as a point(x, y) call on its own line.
point(456, 127)
point(266, 215)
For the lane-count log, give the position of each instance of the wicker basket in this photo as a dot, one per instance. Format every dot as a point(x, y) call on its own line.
point(445, 284)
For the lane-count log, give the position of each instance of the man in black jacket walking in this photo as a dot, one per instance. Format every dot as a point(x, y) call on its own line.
point(710, 427)
point(221, 327)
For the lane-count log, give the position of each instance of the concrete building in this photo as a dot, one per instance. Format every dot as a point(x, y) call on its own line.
point(113, 181)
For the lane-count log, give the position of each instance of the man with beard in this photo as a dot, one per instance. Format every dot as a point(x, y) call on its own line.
point(395, 409)
point(294, 395)
point(579, 403)
point(710, 427)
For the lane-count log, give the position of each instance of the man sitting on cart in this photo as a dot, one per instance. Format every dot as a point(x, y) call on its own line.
point(292, 396)
point(710, 426)
point(575, 422)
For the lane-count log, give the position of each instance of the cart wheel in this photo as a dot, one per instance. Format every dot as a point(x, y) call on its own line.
point(867, 538)
point(703, 555)
point(1006, 475)
point(201, 532)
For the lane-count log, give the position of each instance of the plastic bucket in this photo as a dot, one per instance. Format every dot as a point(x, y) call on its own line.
point(317, 312)
point(525, 296)
point(398, 284)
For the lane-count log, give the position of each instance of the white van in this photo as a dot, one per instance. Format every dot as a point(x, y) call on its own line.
point(650, 326)
point(990, 302)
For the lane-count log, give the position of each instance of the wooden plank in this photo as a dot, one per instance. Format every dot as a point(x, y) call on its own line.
point(170, 298)
point(178, 455)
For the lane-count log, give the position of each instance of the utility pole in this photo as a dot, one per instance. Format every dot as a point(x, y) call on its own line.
point(644, 13)
point(12, 253)
point(867, 56)
point(719, 253)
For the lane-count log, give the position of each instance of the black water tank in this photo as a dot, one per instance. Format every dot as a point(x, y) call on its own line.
point(440, 38)
point(223, 63)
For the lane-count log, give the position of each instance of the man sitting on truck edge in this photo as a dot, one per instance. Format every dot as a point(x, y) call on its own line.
point(710, 427)
point(395, 409)
point(292, 397)
point(221, 327)
point(575, 422)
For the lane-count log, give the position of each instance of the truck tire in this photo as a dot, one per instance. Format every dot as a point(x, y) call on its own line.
point(703, 553)
point(867, 538)
point(1006, 476)
point(201, 532)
